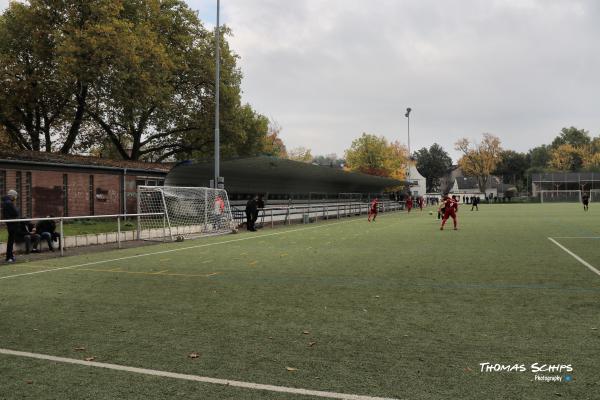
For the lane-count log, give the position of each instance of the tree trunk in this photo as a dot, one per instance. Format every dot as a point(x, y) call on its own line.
point(77, 120)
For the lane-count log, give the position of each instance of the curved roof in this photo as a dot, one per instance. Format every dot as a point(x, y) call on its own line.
point(278, 176)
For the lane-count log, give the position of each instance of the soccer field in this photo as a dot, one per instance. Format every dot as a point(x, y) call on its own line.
point(391, 309)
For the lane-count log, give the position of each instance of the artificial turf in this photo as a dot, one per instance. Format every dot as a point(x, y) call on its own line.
point(394, 308)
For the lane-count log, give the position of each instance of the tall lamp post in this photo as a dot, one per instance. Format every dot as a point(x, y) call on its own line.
point(217, 95)
point(407, 115)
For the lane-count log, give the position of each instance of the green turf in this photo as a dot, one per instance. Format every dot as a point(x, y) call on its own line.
point(396, 308)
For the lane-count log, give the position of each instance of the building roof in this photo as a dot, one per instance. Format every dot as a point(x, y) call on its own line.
point(278, 176)
point(468, 182)
point(37, 157)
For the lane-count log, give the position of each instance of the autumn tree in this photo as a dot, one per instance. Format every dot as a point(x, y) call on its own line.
point(301, 154)
point(374, 155)
point(272, 143)
point(479, 159)
point(138, 73)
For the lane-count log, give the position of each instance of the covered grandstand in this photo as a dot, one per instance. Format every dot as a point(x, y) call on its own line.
point(281, 179)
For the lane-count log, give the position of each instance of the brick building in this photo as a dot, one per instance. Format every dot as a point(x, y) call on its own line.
point(64, 185)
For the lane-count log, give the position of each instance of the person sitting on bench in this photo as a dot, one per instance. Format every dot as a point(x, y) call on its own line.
point(47, 231)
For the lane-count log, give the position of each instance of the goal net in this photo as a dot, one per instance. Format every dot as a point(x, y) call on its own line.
point(560, 196)
point(187, 212)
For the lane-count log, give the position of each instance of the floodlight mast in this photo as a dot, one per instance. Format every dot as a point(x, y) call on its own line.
point(407, 115)
point(217, 95)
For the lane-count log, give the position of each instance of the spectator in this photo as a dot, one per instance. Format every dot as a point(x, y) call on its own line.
point(251, 212)
point(27, 234)
point(260, 205)
point(47, 231)
point(10, 211)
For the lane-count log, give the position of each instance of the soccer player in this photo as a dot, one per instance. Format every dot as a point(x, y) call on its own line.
point(475, 203)
point(451, 206)
point(420, 202)
point(409, 203)
point(373, 210)
point(585, 199)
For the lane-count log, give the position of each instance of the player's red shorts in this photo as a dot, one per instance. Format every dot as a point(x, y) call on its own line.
point(373, 211)
point(450, 214)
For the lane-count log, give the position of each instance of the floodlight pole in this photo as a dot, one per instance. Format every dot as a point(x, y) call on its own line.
point(407, 115)
point(217, 95)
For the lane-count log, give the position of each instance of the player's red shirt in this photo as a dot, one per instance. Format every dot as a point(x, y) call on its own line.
point(374, 205)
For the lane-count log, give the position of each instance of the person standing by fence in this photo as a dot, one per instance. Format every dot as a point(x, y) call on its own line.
point(10, 211)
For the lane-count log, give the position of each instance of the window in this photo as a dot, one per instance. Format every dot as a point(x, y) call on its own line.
point(92, 195)
point(2, 183)
point(65, 193)
point(27, 195)
point(19, 189)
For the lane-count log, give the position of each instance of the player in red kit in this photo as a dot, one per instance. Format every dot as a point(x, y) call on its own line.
point(409, 203)
point(451, 207)
point(373, 210)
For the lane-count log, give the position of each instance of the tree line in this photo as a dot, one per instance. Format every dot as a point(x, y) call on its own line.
point(132, 79)
point(572, 150)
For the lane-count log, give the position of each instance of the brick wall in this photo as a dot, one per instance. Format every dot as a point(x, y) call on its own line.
point(100, 195)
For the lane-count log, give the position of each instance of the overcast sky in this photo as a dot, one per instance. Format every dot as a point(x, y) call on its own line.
point(328, 70)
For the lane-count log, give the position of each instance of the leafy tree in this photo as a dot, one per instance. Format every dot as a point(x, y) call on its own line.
point(300, 154)
point(433, 163)
point(479, 159)
point(374, 155)
point(513, 166)
point(272, 144)
point(572, 136)
point(567, 157)
point(540, 156)
point(139, 73)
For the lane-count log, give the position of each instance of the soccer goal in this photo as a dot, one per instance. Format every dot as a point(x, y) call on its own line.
point(187, 212)
point(560, 196)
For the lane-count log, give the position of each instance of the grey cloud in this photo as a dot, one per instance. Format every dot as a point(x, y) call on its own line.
point(328, 70)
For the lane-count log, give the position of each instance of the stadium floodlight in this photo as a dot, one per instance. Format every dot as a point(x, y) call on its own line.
point(407, 115)
point(217, 95)
point(188, 212)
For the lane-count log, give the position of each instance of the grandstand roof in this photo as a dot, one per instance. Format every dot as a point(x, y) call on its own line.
point(277, 176)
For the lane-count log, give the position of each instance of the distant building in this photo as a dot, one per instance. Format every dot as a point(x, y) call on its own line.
point(65, 185)
point(418, 183)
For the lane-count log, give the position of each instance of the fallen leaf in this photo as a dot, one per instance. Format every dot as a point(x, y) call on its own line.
point(311, 344)
point(376, 297)
point(468, 369)
point(89, 358)
point(80, 348)
point(306, 333)
point(29, 382)
point(594, 329)
point(291, 369)
point(193, 355)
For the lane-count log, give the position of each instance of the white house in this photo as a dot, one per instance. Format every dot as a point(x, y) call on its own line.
point(417, 182)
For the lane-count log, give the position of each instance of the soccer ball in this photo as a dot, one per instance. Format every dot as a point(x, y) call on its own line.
point(234, 230)
point(179, 238)
point(430, 212)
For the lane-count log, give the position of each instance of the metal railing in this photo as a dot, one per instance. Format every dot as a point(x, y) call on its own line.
point(313, 212)
point(61, 221)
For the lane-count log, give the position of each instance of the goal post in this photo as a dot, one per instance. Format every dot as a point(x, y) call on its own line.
point(186, 212)
point(560, 196)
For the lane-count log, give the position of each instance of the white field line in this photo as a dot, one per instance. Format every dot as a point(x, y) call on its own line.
point(194, 378)
point(575, 256)
point(179, 249)
point(576, 237)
